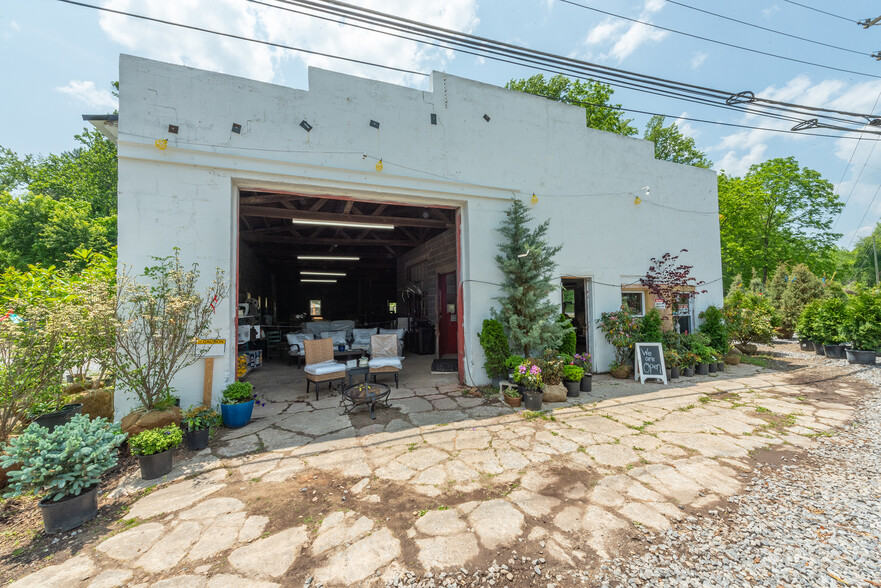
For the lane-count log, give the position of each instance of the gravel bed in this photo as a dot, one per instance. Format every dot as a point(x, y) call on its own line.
point(815, 523)
point(868, 373)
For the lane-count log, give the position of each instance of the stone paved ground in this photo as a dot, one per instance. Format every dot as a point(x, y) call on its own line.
point(444, 488)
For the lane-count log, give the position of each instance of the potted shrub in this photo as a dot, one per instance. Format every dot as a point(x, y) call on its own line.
point(154, 324)
point(511, 364)
point(529, 377)
point(806, 326)
point(621, 329)
point(672, 360)
point(551, 366)
point(572, 375)
point(64, 467)
point(54, 413)
point(829, 320)
point(862, 326)
point(197, 423)
point(495, 350)
point(583, 360)
point(689, 360)
point(512, 397)
point(153, 449)
point(237, 404)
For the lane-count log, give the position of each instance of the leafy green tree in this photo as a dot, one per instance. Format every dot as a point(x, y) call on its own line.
point(860, 266)
point(526, 261)
point(672, 145)
point(777, 212)
point(802, 287)
point(591, 95)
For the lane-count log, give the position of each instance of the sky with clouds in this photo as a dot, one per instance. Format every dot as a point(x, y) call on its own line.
point(59, 59)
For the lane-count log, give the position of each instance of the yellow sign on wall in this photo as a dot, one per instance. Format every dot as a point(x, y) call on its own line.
point(211, 347)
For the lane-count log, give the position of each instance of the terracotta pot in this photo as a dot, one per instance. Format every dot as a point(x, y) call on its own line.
point(513, 402)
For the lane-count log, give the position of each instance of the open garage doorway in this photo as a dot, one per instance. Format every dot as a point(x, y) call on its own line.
point(342, 268)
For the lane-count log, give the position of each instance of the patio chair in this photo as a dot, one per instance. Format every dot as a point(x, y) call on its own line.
point(320, 366)
point(384, 357)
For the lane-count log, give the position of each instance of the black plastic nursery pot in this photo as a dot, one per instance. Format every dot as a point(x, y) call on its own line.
point(51, 420)
point(819, 348)
point(834, 351)
point(586, 383)
point(70, 512)
point(860, 357)
point(688, 372)
point(156, 465)
point(197, 440)
point(806, 345)
point(674, 372)
point(720, 366)
point(703, 369)
point(711, 367)
point(573, 389)
point(532, 399)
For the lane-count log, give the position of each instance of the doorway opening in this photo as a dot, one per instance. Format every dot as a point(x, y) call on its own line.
point(576, 306)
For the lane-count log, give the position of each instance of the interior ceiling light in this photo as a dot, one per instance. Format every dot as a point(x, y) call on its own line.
point(340, 274)
point(321, 281)
point(327, 258)
point(298, 221)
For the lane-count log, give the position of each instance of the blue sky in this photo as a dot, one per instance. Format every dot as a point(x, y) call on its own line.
point(58, 61)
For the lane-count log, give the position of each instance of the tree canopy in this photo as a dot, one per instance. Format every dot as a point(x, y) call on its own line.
point(672, 145)
point(592, 96)
point(50, 206)
point(777, 212)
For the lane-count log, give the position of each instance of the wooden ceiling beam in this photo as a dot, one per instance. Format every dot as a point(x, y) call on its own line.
point(275, 212)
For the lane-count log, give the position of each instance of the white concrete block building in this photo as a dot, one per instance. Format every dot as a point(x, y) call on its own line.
point(236, 173)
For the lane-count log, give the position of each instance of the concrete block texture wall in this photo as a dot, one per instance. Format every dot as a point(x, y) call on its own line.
point(585, 180)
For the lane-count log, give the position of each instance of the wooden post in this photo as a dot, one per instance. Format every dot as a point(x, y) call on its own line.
point(209, 380)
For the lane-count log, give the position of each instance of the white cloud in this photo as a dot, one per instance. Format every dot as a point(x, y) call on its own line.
point(10, 29)
point(698, 59)
point(264, 63)
point(736, 164)
point(771, 10)
point(88, 94)
point(626, 38)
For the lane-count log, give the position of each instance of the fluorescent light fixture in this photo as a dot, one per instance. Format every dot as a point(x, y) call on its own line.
point(318, 281)
point(342, 275)
point(327, 258)
point(341, 224)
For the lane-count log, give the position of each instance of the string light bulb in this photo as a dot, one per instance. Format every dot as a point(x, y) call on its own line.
point(534, 198)
point(161, 144)
point(379, 165)
point(637, 200)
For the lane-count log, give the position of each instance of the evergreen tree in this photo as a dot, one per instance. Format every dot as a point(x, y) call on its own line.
point(803, 287)
point(527, 261)
point(777, 285)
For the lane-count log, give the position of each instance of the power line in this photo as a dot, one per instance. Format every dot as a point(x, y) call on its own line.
point(868, 208)
point(770, 30)
point(623, 78)
point(242, 38)
point(850, 20)
point(860, 175)
point(709, 40)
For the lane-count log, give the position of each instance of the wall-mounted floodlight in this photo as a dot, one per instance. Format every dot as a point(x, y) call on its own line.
point(172, 129)
point(306, 126)
point(486, 117)
point(236, 128)
point(374, 124)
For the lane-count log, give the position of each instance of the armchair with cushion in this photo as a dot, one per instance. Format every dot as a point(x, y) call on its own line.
point(296, 348)
point(320, 366)
point(399, 333)
point(384, 357)
point(338, 337)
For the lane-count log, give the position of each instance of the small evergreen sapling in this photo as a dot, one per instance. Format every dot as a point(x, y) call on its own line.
point(495, 347)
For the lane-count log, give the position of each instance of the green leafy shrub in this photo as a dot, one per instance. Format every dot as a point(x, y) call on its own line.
point(862, 320)
point(621, 329)
point(829, 319)
point(807, 321)
point(650, 328)
point(715, 329)
point(698, 344)
point(803, 287)
point(551, 367)
point(567, 347)
point(513, 362)
point(495, 347)
point(672, 358)
point(750, 317)
point(572, 373)
point(200, 417)
point(154, 441)
point(237, 393)
point(64, 462)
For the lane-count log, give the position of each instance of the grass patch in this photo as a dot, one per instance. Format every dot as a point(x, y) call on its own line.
point(537, 414)
point(704, 399)
point(763, 409)
point(687, 407)
point(755, 360)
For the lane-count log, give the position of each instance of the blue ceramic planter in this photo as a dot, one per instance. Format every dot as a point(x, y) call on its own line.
point(236, 415)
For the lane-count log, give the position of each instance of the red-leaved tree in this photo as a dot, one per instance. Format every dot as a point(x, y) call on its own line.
point(671, 281)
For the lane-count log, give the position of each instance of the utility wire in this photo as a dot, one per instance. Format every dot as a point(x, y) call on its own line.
point(716, 41)
point(770, 30)
point(242, 38)
point(868, 208)
point(865, 163)
point(850, 20)
point(610, 75)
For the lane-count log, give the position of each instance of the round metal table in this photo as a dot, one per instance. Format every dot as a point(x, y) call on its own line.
point(372, 394)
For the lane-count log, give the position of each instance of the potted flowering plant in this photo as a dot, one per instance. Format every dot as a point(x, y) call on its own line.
point(153, 449)
point(672, 360)
point(528, 376)
point(512, 397)
point(583, 360)
point(198, 422)
point(512, 363)
point(621, 329)
point(237, 404)
point(65, 466)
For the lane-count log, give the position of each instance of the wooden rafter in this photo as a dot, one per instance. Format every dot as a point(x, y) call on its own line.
point(275, 212)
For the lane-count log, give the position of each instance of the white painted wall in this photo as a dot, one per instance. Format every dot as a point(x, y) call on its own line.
point(585, 180)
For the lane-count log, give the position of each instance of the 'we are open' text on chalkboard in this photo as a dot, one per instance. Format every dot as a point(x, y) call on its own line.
point(650, 362)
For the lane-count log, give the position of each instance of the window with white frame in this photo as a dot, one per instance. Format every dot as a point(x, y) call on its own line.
point(635, 301)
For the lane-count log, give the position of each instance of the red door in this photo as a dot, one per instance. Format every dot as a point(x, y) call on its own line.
point(447, 314)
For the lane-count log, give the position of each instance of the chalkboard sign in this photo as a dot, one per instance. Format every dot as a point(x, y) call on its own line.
point(650, 362)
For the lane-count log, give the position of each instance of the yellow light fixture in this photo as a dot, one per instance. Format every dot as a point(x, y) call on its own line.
point(637, 200)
